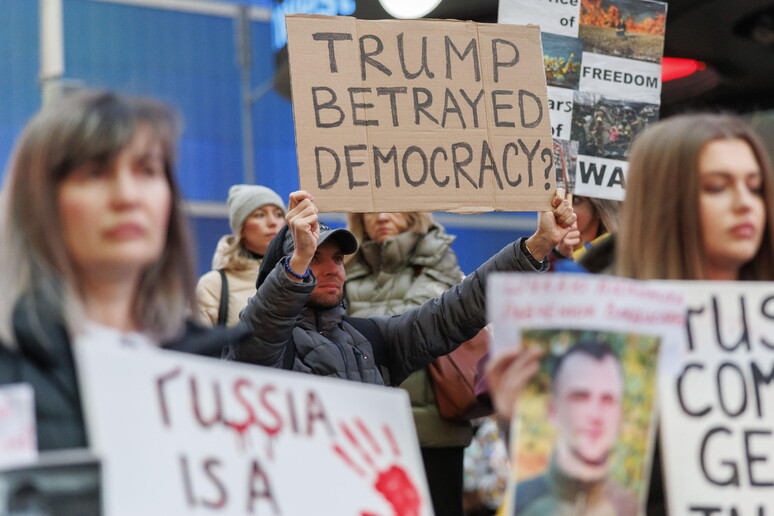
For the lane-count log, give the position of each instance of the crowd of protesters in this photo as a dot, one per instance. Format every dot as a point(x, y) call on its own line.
point(95, 247)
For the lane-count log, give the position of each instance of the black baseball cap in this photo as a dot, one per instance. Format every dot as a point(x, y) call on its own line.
point(346, 240)
point(282, 245)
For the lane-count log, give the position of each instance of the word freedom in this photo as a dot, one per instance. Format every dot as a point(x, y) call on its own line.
point(617, 76)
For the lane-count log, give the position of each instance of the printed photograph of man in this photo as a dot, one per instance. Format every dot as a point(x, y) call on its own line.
point(585, 385)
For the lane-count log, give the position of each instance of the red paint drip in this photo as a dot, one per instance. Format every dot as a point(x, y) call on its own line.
point(241, 430)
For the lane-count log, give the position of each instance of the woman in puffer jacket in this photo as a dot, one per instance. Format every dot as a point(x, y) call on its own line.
point(255, 214)
point(405, 259)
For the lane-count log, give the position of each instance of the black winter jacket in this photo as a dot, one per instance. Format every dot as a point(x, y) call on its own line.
point(44, 359)
point(326, 345)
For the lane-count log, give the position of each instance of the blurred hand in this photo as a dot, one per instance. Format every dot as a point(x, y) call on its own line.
point(508, 374)
point(570, 242)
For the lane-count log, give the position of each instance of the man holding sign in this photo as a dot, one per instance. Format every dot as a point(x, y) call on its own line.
point(297, 317)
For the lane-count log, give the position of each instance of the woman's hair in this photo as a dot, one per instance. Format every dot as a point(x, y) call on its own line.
point(660, 233)
point(231, 254)
point(607, 210)
point(82, 127)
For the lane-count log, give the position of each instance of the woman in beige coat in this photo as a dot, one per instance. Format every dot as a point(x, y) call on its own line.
point(256, 214)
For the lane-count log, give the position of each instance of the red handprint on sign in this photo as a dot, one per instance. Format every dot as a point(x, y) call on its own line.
point(391, 482)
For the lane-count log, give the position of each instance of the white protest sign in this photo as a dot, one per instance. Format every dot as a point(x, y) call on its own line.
point(18, 442)
point(594, 389)
point(560, 108)
point(601, 177)
point(554, 16)
point(180, 434)
point(717, 402)
point(519, 300)
point(608, 52)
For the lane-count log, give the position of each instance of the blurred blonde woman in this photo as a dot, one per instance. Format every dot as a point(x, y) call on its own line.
point(94, 248)
point(255, 214)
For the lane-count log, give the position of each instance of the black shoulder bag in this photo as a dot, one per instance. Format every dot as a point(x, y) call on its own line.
point(223, 309)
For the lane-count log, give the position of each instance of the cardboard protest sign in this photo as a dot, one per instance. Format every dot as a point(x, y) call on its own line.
point(717, 402)
point(18, 441)
point(584, 429)
point(420, 115)
point(608, 53)
point(179, 434)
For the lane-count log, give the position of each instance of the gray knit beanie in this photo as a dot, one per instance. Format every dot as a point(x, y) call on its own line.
point(245, 199)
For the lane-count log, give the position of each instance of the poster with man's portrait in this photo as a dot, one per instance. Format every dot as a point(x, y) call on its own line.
point(584, 426)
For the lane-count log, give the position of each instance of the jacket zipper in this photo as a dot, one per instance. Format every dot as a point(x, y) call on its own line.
point(343, 355)
point(338, 345)
point(359, 359)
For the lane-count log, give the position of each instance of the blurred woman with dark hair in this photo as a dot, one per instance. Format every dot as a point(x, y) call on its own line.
point(95, 247)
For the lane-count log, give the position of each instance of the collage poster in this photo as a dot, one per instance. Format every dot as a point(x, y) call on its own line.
point(603, 70)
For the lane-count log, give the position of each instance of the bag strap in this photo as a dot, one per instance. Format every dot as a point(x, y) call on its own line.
point(223, 308)
point(363, 325)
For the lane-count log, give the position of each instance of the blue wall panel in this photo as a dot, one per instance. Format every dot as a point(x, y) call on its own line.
point(274, 136)
point(19, 62)
point(186, 59)
point(474, 245)
point(206, 232)
point(256, 3)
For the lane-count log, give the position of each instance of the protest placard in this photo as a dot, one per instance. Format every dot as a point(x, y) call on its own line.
point(608, 52)
point(420, 115)
point(179, 434)
point(18, 443)
point(717, 403)
point(584, 427)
